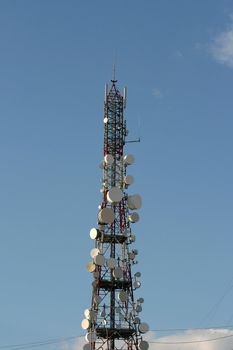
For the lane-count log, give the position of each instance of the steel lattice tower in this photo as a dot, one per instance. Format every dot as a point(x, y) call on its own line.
point(112, 321)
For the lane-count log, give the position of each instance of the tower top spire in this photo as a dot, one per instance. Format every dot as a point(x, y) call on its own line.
point(114, 80)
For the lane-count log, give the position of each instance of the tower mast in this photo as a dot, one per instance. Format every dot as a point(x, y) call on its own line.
point(112, 322)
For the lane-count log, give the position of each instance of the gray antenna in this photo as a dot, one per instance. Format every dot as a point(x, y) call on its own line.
point(114, 80)
point(114, 71)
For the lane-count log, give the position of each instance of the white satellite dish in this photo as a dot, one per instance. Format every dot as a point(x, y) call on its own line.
point(94, 252)
point(108, 159)
point(91, 337)
point(144, 345)
point(106, 216)
point(90, 267)
point(85, 324)
point(114, 195)
point(143, 327)
point(99, 260)
point(128, 159)
point(111, 263)
point(134, 202)
point(105, 120)
point(87, 313)
point(128, 180)
point(134, 217)
point(123, 296)
point(118, 273)
point(95, 233)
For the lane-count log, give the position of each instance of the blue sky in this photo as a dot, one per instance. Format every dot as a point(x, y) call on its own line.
point(176, 58)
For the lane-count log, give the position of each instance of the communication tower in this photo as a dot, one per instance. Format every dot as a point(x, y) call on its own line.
point(113, 320)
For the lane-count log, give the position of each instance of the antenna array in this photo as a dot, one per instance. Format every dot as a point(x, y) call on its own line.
point(113, 320)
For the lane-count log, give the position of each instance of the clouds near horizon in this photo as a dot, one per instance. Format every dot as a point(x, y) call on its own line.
point(203, 339)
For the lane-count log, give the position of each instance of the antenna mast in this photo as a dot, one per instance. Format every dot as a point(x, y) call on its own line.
point(113, 320)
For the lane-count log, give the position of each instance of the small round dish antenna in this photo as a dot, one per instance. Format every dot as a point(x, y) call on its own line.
point(134, 202)
point(90, 267)
point(138, 308)
point(114, 195)
point(137, 320)
point(134, 217)
point(144, 345)
point(143, 327)
point(85, 324)
point(137, 284)
point(131, 256)
point(141, 300)
point(137, 274)
point(108, 159)
point(132, 238)
point(106, 216)
point(99, 260)
point(123, 296)
point(128, 180)
point(118, 273)
point(111, 263)
point(87, 313)
point(94, 233)
point(128, 159)
point(90, 337)
point(94, 252)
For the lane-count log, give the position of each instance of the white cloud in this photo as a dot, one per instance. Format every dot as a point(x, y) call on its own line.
point(157, 93)
point(195, 336)
point(192, 339)
point(222, 47)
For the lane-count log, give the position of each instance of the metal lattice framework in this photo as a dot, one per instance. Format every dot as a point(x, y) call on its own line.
point(113, 321)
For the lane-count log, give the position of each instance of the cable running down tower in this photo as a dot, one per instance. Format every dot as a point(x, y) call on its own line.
point(113, 321)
